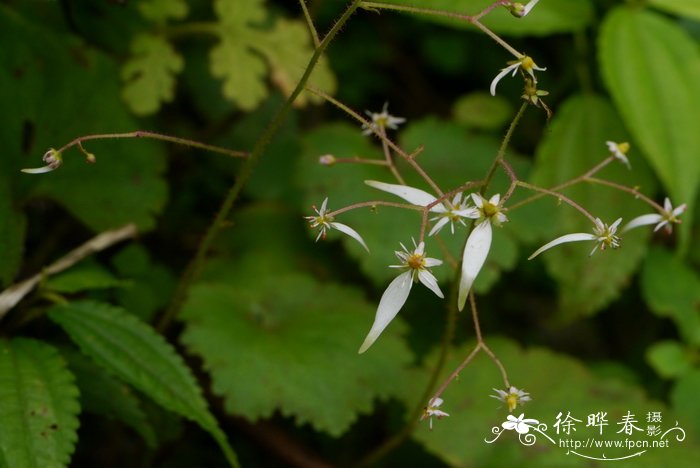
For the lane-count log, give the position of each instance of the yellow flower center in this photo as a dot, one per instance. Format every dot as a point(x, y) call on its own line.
point(527, 64)
point(416, 262)
point(489, 210)
point(623, 147)
point(512, 401)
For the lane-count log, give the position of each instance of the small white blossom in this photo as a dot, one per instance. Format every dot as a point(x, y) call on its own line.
point(433, 410)
point(512, 397)
point(479, 243)
point(519, 10)
point(619, 151)
point(668, 217)
point(326, 223)
point(520, 424)
point(524, 63)
point(453, 212)
point(603, 235)
point(326, 160)
point(381, 120)
point(53, 161)
point(417, 267)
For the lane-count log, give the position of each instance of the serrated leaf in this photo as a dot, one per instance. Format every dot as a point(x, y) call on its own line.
point(689, 8)
point(238, 57)
point(102, 394)
point(652, 67)
point(125, 184)
point(669, 359)
point(135, 353)
point(575, 144)
point(38, 406)
point(149, 75)
point(672, 289)
point(548, 17)
point(286, 342)
point(161, 11)
point(556, 383)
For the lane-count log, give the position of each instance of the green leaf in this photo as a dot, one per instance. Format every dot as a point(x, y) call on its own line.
point(482, 111)
point(684, 398)
point(102, 394)
point(548, 17)
point(161, 11)
point(652, 68)
point(574, 144)
point(689, 8)
point(125, 184)
point(286, 342)
point(85, 276)
point(136, 354)
point(149, 75)
point(238, 57)
point(556, 383)
point(669, 359)
point(38, 406)
point(672, 289)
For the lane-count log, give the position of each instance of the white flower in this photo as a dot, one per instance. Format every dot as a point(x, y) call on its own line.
point(520, 424)
point(53, 161)
point(603, 235)
point(326, 223)
point(479, 243)
point(416, 265)
point(519, 10)
point(524, 63)
point(619, 151)
point(668, 216)
point(512, 397)
point(432, 410)
point(381, 120)
point(452, 213)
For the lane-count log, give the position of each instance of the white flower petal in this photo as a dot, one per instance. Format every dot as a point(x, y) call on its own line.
point(345, 229)
point(324, 205)
point(431, 262)
point(38, 170)
point(679, 210)
point(643, 220)
point(390, 304)
point(502, 74)
point(473, 258)
point(529, 7)
point(412, 195)
point(430, 282)
point(439, 225)
point(576, 237)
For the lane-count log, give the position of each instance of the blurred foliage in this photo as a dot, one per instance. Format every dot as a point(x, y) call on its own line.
point(261, 362)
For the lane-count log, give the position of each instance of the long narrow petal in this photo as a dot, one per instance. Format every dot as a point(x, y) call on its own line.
point(430, 282)
point(473, 258)
point(439, 225)
point(345, 229)
point(412, 195)
point(643, 220)
point(38, 170)
point(391, 302)
point(500, 76)
point(576, 237)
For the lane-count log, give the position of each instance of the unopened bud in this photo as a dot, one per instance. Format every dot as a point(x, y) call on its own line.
point(327, 160)
point(52, 158)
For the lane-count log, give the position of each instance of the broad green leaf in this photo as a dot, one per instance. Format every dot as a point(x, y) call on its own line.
point(238, 57)
point(162, 10)
point(556, 383)
point(38, 406)
point(149, 75)
point(102, 394)
point(85, 276)
point(482, 111)
point(282, 341)
point(136, 354)
point(684, 398)
point(689, 8)
point(669, 359)
point(672, 289)
point(12, 230)
point(124, 185)
point(652, 68)
point(548, 17)
point(574, 144)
